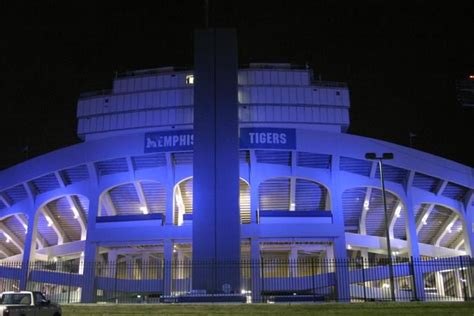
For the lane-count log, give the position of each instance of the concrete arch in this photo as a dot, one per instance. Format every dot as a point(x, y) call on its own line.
point(23, 207)
point(454, 224)
point(395, 212)
point(76, 189)
point(292, 193)
point(106, 202)
point(5, 216)
point(45, 215)
point(350, 180)
point(13, 234)
point(179, 209)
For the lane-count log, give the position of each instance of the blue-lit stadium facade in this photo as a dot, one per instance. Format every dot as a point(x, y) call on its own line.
point(125, 194)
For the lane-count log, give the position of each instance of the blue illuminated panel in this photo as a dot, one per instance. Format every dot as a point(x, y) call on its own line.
point(275, 138)
point(169, 141)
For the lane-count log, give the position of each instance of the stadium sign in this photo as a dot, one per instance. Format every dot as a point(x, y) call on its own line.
point(276, 138)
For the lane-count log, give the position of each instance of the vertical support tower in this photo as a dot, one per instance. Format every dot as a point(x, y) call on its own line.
point(216, 218)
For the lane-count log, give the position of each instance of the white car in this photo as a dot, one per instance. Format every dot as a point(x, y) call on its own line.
point(27, 303)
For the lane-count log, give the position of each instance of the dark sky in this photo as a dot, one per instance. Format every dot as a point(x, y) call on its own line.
point(400, 60)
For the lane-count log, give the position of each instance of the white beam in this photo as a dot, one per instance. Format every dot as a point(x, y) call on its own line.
point(4, 200)
point(169, 212)
point(179, 204)
point(40, 240)
point(394, 215)
point(134, 251)
point(77, 210)
point(292, 201)
point(74, 247)
point(283, 247)
point(458, 245)
point(424, 217)
point(409, 179)
point(294, 166)
point(375, 244)
point(373, 169)
point(365, 209)
point(54, 224)
point(72, 204)
point(440, 187)
point(445, 228)
point(11, 237)
point(130, 167)
point(6, 251)
point(108, 204)
point(141, 196)
point(93, 174)
point(60, 179)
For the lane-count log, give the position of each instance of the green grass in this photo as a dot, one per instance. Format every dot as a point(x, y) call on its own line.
point(371, 309)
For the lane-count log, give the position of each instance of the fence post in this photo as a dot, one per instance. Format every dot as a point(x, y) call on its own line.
point(69, 284)
point(470, 277)
point(312, 279)
point(412, 272)
point(167, 266)
point(262, 288)
point(115, 280)
point(363, 279)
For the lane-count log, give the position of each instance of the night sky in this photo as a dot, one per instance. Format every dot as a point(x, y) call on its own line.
point(401, 61)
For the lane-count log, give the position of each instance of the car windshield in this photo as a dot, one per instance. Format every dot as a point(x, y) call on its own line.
point(16, 299)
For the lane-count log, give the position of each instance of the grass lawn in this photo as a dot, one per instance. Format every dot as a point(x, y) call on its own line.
point(371, 309)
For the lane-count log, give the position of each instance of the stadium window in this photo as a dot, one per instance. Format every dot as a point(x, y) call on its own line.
point(190, 79)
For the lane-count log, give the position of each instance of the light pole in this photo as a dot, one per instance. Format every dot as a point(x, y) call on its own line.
point(385, 156)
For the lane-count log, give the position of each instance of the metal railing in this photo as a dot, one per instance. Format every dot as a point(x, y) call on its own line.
point(266, 280)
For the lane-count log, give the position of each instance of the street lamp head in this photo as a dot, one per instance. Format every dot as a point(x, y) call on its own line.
point(370, 156)
point(373, 156)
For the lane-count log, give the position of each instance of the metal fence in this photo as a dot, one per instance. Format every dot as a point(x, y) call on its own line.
point(266, 280)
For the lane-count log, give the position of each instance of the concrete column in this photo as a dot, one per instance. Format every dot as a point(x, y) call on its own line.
point(330, 258)
point(167, 262)
point(181, 266)
point(29, 247)
point(216, 214)
point(458, 283)
point(293, 262)
point(145, 275)
point(439, 279)
point(112, 264)
point(254, 186)
point(413, 246)
point(81, 263)
point(364, 253)
point(468, 226)
point(170, 182)
point(90, 250)
point(340, 253)
point(129, 267)
point(255, 261)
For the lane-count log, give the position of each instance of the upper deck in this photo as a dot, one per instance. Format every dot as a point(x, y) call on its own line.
point(268, 95)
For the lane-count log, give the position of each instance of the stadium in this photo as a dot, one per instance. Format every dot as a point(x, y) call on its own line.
point(127, 210)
